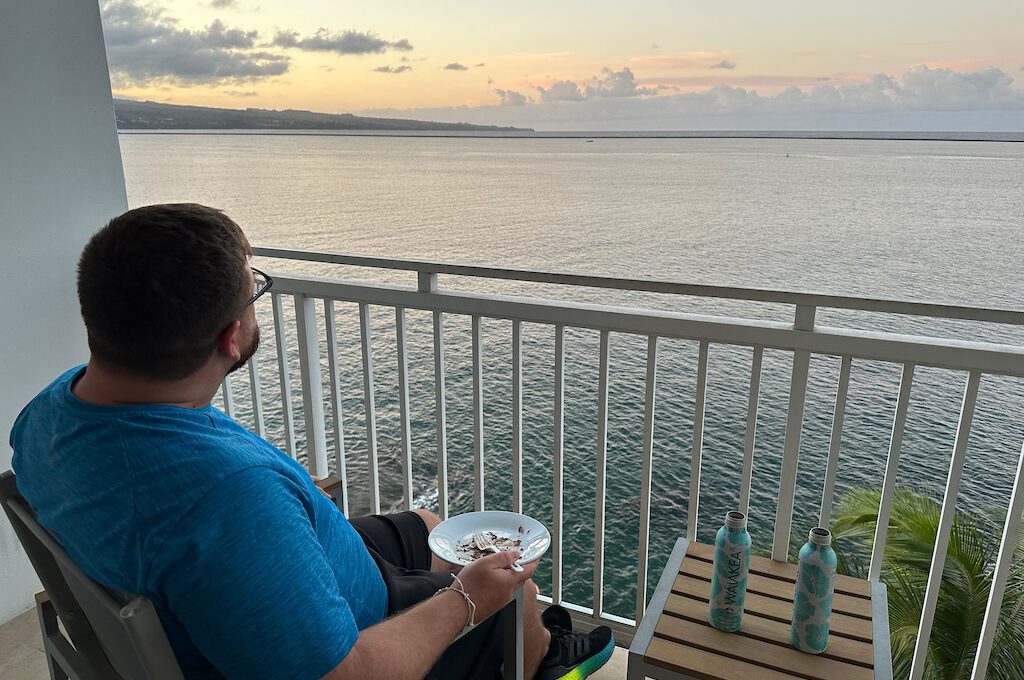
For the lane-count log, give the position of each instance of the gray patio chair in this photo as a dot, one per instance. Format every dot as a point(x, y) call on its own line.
point(118, 636)
point(113, 635)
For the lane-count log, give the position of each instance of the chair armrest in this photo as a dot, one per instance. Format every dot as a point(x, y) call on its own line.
point(329, 484)
point(333, 488)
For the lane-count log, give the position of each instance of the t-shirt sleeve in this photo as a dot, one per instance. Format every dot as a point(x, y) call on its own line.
point(248, 579)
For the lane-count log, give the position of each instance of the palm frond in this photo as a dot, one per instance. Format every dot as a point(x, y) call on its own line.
point(965, 585)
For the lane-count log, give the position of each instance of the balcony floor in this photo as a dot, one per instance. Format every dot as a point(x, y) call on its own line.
point(22, 658)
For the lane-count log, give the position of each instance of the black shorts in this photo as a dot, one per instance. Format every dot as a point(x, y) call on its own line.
point(398, 544)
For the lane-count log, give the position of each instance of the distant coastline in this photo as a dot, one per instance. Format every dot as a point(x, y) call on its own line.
point(686, 134)
point(147, 115)
point(1015, 137)
point(138, 117)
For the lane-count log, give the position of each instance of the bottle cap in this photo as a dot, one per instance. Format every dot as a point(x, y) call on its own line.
point(819, 536)
point(735, 520)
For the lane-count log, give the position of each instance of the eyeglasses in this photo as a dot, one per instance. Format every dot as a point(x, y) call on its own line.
point(263, 283)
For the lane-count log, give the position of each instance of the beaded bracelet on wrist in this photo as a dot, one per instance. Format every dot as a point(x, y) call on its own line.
point(458, 587)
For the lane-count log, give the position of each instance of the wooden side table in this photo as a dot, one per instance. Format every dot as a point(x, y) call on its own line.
point(675, 641)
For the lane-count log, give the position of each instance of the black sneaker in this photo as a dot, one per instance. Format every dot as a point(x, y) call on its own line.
point(556, 616)
point(578, 654)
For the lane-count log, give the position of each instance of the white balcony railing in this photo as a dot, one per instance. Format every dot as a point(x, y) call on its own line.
point(316, 347)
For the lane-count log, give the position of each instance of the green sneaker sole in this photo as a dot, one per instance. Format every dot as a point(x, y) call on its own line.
point(592, 664)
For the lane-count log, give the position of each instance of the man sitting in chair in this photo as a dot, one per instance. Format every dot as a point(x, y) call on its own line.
point(253, 572)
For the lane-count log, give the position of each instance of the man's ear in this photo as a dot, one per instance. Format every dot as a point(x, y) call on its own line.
point(228, 341)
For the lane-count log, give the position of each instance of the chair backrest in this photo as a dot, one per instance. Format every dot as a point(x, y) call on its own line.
point(117, 635)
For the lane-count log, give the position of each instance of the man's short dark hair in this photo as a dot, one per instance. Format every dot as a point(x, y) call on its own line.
point(158, 284)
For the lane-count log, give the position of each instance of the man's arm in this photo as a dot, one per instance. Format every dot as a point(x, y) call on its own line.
point(406, 646)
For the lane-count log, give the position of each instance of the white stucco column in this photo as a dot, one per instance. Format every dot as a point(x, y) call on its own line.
point(60, 181)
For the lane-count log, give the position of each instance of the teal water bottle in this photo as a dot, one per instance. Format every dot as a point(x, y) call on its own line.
point(729, 575)
point(812, 599)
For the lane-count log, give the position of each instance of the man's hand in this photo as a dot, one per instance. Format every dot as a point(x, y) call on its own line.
point(490, 582)
point(424, 631)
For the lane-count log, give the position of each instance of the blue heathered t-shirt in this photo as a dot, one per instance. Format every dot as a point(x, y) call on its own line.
point(252, 571)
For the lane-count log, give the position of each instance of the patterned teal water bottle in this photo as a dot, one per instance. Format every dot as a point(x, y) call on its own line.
point(812, 599)
point(729, 576)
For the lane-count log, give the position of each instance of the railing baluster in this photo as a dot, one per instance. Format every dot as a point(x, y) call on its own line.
point(600, 481)
point(753, 395)
point(517, 416)
point(257, 398)
point(804, 321)
point(403, 405)
point(956, 468)
point(838, 414)
point(312, 385)
point(442, 418)
point(558, 463)
point(693, 503)
point(1011, 532)
point(284, 373)
point(336, 404)
point(790, 455)
point(228, 395)
point(478, 416)
point(645, 476)
point(891, 470)
point(370, 405)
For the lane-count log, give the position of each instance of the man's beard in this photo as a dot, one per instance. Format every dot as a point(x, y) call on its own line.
point(246, 355)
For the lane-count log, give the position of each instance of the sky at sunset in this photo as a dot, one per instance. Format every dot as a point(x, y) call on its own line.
point(643, 65)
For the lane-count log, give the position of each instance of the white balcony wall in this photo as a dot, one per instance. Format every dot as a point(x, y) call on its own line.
point(60, 179)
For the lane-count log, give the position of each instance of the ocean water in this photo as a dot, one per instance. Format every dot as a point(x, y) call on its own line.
point(916, 220)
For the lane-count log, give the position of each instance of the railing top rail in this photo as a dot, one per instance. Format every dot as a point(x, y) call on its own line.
point(995, 359)
point(925, 309)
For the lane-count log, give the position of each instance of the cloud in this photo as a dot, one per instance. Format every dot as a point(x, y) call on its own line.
point(455, 66)
point(342, 42)
point(946, 89)
point(919, 89)
point(146, 47)
point(221, 4)
point(480, 65)
point(219, 35)
point(725, 63)
point(921, 98)
point(617, 84)
point(654, 46)
point(609, 83)
point(237, 93)
point(561, 91)
point(393, 69)
point(512, 98)
point(751, 80)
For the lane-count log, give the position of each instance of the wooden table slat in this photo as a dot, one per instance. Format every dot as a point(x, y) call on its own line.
point(698, 663)
point(768, 630)
point(847, 585)
point(680, 639)
point(781, 658)
point(845, 604)
point(769, 607)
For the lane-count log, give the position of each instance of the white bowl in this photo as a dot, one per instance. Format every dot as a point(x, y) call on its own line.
point(452, 539)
